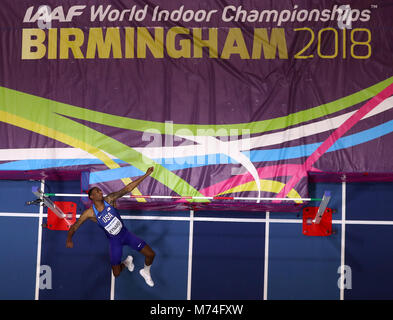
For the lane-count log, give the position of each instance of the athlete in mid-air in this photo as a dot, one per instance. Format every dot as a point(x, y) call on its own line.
point(103, 211)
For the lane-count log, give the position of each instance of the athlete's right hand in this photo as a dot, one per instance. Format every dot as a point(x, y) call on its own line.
point(69, 244)
point(150, 170)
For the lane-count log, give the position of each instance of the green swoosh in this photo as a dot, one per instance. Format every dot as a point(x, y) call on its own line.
point(224, 130)
point(41, 111)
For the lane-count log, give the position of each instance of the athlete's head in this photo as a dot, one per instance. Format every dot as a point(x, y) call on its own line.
point(95, 193)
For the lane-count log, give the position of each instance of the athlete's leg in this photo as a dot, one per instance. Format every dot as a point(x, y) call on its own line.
point(149, 257)
point(149, 254)
point(115, 252)
point(117, 269)
point(138, 244)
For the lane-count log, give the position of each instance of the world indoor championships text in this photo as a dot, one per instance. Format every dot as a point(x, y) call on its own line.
point(42, 41)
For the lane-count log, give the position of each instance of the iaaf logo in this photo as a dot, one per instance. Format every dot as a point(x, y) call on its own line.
point(45, 15)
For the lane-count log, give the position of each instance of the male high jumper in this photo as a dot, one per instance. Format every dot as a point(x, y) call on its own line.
point(104, 212)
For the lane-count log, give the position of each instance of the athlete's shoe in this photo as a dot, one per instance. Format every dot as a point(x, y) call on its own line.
point(147, 277)
point(128, 263)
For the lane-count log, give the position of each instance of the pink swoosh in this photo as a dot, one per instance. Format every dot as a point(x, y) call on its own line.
point(263, 173)
point(337, 134)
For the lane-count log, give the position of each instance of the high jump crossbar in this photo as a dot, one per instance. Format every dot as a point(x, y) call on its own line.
point(44, 197)
point(190, 197)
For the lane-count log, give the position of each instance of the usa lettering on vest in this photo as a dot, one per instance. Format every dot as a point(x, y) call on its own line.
point(107, 217)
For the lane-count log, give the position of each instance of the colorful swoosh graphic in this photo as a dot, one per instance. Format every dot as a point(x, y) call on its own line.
point(51, 119)
point(190, 162)
point(197, 130)
point(335, 136)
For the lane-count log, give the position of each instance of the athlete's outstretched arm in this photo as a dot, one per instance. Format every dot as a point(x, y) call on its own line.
point(110, 198)
point(87, 214)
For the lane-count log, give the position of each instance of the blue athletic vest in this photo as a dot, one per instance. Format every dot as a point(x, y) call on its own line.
point(109, 220)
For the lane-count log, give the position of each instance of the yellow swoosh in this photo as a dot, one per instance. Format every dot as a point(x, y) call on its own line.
point(57, 135)
point(266, 186)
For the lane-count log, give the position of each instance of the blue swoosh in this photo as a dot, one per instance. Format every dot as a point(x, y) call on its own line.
point(198, 161)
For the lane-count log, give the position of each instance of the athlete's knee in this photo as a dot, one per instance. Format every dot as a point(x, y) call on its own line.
point(148, 252)
point(151, 254)
point(116, 271)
